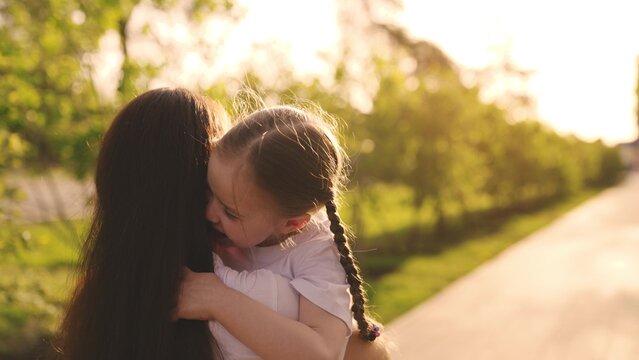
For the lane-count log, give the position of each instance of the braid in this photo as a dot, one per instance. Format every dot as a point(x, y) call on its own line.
point(367, 329)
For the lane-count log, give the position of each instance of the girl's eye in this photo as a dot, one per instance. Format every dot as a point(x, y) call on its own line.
point(230, 215)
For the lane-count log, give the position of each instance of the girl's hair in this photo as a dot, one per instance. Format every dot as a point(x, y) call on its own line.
point(148, 224)
point(294, 156)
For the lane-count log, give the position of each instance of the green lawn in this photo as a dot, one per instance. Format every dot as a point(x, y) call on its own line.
point(35, 278)
point(36, 269)
point(415, 278)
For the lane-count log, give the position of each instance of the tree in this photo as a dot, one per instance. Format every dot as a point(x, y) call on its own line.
point(52, 114)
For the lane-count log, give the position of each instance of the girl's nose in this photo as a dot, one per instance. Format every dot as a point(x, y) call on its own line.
point(212, 212)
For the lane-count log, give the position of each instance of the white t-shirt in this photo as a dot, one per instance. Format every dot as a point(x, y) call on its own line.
point(275, 276)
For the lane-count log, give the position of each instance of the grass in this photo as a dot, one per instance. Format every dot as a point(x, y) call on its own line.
point(35, 279)
point(414, 278)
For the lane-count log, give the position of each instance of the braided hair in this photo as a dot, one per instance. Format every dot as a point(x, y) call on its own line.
point(295, 156)
point(366, 327)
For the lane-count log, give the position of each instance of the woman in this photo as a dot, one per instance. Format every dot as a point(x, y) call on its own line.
point(148, 224)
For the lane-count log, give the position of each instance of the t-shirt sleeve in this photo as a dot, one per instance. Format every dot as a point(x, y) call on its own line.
point(264, 286)
point(319, 277)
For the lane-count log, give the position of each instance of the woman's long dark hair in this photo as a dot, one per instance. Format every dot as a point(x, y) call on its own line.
point(148, 224)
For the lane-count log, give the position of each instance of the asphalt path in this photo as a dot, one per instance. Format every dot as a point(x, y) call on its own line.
point(568, 291)
point(47, 197)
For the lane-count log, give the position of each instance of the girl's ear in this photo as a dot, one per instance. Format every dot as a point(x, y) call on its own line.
point(296, 223)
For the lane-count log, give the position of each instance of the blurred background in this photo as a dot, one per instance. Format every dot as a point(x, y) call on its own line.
point(468, 123)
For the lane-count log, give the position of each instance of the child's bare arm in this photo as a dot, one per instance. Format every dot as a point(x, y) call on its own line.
point(330, 330)
point(267, 333)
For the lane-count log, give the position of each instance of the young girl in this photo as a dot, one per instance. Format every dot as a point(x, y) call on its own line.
point(275, 178)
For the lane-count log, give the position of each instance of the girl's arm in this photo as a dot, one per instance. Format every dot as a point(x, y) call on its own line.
point(318, 334)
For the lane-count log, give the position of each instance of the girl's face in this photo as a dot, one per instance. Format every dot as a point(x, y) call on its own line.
point(239, 209)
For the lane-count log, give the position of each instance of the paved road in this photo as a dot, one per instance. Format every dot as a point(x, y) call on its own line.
point(49, 197)
point(569, 291)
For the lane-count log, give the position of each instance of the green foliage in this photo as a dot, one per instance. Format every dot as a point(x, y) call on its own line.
point(50, 107)
point(456, 155)
point(51, 112)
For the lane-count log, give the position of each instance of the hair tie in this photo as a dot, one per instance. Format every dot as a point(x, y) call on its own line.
point(373, 332)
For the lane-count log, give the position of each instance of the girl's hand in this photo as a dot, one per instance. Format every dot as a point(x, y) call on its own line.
point(198, 295)
point(360, 349)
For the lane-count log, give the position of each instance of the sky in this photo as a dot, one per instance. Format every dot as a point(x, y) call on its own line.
point(583, 54)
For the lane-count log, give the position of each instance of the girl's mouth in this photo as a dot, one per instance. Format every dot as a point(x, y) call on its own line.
point(219, 236)
point(224, 240)
point(213, 230)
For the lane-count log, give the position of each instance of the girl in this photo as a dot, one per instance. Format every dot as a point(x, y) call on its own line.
point(274, 179)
